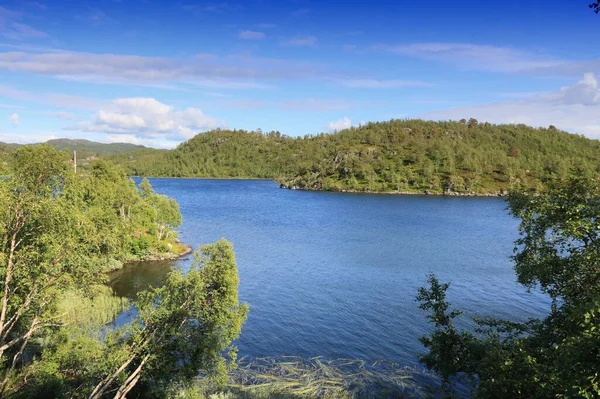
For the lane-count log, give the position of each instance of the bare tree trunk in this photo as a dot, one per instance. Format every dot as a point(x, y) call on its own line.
point(105, 384)
point(131, 380)
point(17, 356)
point(7, 279)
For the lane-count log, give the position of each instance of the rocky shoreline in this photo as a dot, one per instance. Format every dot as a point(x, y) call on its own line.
point(115, 265)
point(164, 256)
point(501, 193)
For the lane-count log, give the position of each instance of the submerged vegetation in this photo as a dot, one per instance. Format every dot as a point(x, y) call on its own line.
point(295, 377)
point(464, 157)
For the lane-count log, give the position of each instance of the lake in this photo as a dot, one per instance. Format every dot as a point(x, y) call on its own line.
point(335, 275)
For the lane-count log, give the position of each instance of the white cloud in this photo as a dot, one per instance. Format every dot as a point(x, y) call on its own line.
point(15, 119)
point(574, 108)
point(584, 92)
point(306, 41)
point(251, 35)
point(147, 118)
point(338, 125)
point(383, 84)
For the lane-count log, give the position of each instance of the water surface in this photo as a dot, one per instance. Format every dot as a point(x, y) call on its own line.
point(335, 275)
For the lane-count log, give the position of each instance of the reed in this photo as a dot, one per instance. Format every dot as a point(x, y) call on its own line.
point(93, 309)
point(296, 377)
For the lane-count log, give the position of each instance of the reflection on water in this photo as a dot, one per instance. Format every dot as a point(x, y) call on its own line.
point(138, 276)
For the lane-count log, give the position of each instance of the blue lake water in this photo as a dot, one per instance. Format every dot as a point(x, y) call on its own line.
point(335, 275)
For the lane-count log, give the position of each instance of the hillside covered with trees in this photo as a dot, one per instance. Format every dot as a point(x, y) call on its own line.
point(87, 151)
point(464, 157)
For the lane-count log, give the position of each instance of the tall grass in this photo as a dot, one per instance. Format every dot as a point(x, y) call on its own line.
point(92, 309)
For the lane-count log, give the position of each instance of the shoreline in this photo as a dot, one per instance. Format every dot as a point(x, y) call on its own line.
point(201, 178)
point(163, 256)
point(117, 265)
point(499, 194)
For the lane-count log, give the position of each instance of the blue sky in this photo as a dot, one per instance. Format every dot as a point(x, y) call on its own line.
point(157, 72)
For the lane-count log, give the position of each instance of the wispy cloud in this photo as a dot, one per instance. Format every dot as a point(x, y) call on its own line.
point(62, 115)
point(300, 12)
point(98, 17)
point(11, 28)
point(251, 35)
point(28, 138)
point(203, 71)
point(574, 108)
point(37, 5)
point(10, 106)
point(210, 8)
point(53, 99)
point(477, 56)
point(320, 104)
point(267, 26)
point(383, 84)
point(230, 72)
point(301, 41)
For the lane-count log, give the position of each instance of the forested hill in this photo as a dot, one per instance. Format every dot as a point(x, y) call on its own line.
point(86, 147)
point(93, 147)
point(395, 156)
point(87, 150)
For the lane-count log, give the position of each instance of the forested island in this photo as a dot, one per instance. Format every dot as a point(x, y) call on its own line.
point(399, 156)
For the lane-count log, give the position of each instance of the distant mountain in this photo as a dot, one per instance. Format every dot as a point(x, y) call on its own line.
point(92, 147)
point(85, 147)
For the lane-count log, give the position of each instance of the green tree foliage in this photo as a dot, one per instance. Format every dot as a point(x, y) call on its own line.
point(399, 155)
point(558, 356)
point(167, 215)
point(59, 231)
point(183, 328)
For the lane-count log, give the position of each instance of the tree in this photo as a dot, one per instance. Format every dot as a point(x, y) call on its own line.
point(167, 212)
point(595, 7)
point(183, 328)
point(59, 233)
point(559, 252)
point(42, 252)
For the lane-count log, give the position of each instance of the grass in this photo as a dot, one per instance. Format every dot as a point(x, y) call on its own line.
point(94, 309)
point(295, 377)
point(179, 248)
